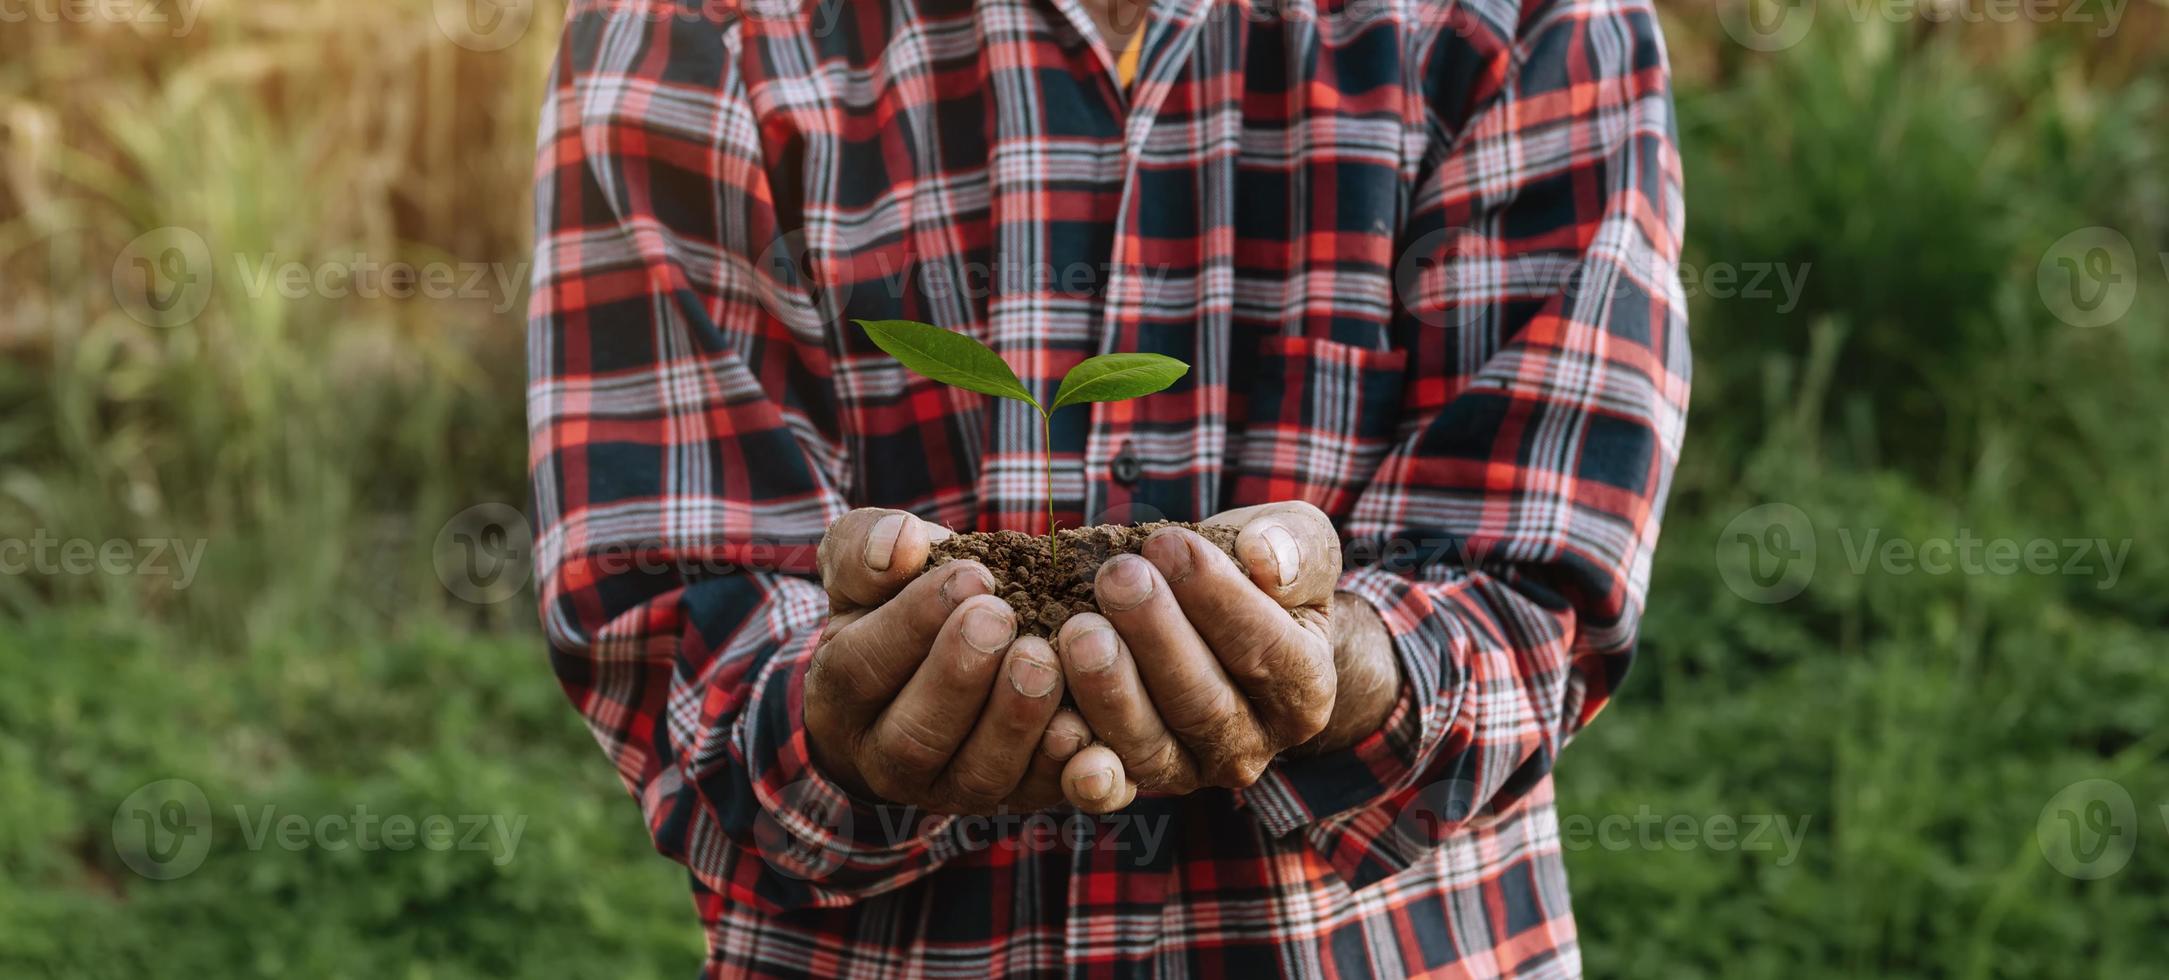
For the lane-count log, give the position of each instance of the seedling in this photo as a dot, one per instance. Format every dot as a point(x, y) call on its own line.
point(957, 360)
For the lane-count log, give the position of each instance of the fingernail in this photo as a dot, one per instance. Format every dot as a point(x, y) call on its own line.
point(1285, 553)
point(936, 532)
point(953, 598)
point(1171, 553)
point(1063, 744)
point(1124, 583)
point(1094, 649)
point(881, 541)
point(986, 630)
point(1097, 785)
point(1031, 678)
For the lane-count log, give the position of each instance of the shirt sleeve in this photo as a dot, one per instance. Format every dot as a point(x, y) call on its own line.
point(685, 465)
point(1505, 538)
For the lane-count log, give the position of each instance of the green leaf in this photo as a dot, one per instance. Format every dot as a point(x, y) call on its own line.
point(950, 358)
point(1114, 377)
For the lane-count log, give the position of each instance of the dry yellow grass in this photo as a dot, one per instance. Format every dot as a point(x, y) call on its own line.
point(304, 131)
point(336, 414)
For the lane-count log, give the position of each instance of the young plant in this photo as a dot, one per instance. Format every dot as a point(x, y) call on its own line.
point(958, 360)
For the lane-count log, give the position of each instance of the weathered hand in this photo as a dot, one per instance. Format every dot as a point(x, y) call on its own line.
point(920, 692)
point(1201, 672)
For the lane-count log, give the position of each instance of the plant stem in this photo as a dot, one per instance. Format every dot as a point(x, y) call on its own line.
point(1046, 440)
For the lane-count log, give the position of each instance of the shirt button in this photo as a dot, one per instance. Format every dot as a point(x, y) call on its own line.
point(1126, 467)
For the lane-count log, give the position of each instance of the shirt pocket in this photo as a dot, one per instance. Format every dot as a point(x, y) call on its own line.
point(1321, 415)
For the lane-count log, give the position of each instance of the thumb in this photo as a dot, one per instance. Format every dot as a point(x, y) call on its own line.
point(871, 553)
point(1290, 550)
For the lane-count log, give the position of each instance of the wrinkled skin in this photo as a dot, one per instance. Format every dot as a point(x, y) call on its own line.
point(920, 691)
point(1200, 671)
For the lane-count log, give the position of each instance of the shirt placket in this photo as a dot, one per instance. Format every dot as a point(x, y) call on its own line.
point(1035, 177)
point(1106, 884)
point(1115, 458)
point(1107, 469)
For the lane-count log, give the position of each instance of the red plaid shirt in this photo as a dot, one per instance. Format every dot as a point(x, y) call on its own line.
point(1422, 256)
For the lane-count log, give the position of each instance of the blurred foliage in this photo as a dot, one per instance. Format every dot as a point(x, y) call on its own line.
point(1911, 175)
point(436, 723)
point(314, 438)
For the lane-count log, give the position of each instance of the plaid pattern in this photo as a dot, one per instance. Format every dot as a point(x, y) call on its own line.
point(1422, 256)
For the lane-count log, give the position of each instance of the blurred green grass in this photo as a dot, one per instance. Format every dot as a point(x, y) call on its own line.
point(1912, 177)
point(433, 722)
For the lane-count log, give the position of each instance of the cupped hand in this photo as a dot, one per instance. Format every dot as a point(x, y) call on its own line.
point(1201, 670)
point(920, 692)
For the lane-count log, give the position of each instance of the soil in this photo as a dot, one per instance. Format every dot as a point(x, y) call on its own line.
point(1043, 597)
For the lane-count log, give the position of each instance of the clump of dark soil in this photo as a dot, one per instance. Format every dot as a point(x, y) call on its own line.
point(1045, 596)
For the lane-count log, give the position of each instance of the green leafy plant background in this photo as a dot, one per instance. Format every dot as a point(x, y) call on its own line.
point(1918, 172)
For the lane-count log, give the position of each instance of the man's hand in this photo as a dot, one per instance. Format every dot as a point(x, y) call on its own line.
point(920, 693)
point(1201, 672)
